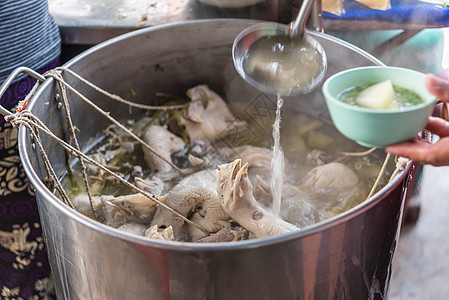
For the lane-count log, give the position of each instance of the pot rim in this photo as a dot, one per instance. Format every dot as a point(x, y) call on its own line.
point(192, 246)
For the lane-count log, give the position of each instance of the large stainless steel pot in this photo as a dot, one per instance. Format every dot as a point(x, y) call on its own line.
point(346, 257)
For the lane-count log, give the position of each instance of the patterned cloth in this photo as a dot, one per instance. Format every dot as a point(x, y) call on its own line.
point(24, 268)
point(28, 37)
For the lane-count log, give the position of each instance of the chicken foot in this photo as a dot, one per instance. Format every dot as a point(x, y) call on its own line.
point(235, 193)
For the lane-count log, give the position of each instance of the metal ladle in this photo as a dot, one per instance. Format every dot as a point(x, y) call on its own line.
point(280, 59)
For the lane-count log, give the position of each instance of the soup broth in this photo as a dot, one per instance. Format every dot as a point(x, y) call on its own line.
point(403, 97)
point(319, 181)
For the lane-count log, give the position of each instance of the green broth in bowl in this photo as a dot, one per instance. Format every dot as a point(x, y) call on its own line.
point(401, 97)
point(394, 111)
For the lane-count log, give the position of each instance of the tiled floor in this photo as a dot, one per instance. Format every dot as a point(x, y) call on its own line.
point(421, 265)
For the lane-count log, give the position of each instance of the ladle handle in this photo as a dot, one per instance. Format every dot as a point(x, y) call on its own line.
point(11, 78)
point(298, 27)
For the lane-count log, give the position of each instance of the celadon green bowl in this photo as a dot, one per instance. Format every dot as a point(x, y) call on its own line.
point(375, 127)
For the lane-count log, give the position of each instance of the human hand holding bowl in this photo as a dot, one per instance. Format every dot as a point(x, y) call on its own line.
point(376, 106)
point(420, 150)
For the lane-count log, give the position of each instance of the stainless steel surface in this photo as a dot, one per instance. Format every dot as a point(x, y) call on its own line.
point(346, 257)
point(294, 31)
point(298, 26)
point(11, 78)
point(231, 3)
point(264, 67)
point(90, 22)
point(316, 17)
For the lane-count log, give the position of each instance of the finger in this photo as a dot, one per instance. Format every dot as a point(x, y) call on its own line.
point(444, 74)
point(437, 86)
point(412, 149)
point(420, 151)
point(438, 126)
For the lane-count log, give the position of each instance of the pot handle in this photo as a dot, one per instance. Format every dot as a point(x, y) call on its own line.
point(11, 78)
point(441, 110)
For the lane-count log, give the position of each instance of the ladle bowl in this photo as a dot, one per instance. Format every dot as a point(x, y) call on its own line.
point(280, 74)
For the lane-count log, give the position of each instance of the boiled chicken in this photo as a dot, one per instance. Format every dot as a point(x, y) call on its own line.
point(207, 117)
point(324, 192)
point(235, 193)
point(195, 195)
point(162, 142)
point(117, 211)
